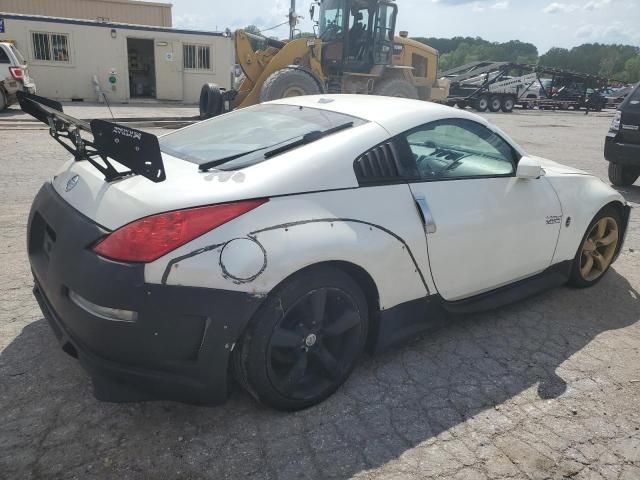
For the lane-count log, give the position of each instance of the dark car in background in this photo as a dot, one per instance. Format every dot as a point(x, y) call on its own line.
point(622, 144)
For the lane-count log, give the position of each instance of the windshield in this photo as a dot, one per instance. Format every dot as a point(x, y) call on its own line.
point(248, 130)
point(331, 18)
point(18, 55)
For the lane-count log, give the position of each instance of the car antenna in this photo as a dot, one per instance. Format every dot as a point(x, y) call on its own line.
point(104, 95)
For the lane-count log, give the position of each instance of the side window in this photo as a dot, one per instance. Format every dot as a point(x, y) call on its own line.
point(458, 148)
point(4, 58)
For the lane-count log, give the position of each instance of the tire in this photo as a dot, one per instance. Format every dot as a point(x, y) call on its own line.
point(508, 104)
point(481, 104)
point(495, 103)
point(396, 87)
point(211, 102)
point(622, 175)
point(288, 363)
point(288, 82)
point(462, 104)
point(3, 100)
point(602, 251)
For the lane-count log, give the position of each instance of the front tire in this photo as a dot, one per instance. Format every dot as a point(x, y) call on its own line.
point(597, 249)
point(396, 87)
point(622, 175)
point(288, 82)
point(508, 104)
point(304, 341)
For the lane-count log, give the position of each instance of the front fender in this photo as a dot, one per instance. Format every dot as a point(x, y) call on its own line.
point(582, 197)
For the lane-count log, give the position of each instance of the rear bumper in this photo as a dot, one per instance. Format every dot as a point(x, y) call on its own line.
point(177, 348)
point(621, 153)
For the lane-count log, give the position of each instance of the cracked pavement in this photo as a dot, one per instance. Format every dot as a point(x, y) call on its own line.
point(548, 388)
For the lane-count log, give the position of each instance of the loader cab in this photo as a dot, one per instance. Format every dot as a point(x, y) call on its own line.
point(356, 34)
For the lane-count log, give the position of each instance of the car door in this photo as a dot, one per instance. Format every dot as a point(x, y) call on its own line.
point(484, 227)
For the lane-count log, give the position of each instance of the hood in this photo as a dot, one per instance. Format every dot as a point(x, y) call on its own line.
point(555, 168)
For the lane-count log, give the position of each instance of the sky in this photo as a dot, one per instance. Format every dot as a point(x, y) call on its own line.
point(544, 23)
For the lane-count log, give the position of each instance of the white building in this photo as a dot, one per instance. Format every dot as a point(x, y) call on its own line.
point(129, 61)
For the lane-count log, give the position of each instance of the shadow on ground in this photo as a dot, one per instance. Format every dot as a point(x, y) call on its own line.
point(392, 406)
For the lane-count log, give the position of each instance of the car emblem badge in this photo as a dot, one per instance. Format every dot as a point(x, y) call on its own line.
point(71, 183)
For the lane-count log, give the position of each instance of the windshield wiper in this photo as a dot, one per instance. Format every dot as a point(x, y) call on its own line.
point(305, 139)
point(219, 161)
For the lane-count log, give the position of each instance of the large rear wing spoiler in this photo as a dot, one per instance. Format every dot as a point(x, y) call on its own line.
point(138, 152)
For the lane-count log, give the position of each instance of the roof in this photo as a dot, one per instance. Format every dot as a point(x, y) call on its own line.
point(396, 115)
point(96, 23)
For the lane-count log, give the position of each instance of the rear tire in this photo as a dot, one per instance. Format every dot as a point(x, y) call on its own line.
point(396, 87)
point(508, 104)
point(304, 341)
point(597, 249)
point(289, 82)
point(622, 175)
point(495, 103)
point(211, 102)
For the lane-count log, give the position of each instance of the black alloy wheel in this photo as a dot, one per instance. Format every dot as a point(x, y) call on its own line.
point(304, 340)
point(315, 344)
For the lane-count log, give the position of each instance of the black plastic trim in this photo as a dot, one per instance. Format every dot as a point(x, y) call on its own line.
point(408, 319)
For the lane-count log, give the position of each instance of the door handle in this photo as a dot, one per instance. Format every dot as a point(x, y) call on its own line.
point(425, 213)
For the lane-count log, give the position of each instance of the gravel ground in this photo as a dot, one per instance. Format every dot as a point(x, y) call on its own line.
point(546, 388)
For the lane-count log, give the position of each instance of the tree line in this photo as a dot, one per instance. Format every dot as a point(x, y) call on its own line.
point(619, 62)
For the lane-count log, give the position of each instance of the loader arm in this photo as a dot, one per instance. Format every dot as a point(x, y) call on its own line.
point(259, 65)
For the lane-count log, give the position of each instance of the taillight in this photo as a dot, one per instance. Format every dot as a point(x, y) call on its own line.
point(17, 72)
point(150, 238)
point(615, 123)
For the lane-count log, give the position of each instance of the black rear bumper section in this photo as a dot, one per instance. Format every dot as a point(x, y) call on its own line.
point(622, 153)
point(178, 347)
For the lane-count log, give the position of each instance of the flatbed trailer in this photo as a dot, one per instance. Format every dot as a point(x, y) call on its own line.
point(499, 86)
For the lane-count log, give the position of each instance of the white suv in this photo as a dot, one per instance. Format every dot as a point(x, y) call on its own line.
point(14, 75)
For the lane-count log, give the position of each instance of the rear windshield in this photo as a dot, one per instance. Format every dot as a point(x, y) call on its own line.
point(247, 130)
point(18, 55)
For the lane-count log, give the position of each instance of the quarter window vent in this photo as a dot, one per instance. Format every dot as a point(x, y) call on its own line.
point(380, 164)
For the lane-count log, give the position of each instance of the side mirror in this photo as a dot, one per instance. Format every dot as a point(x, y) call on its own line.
point(312, 11)
point(529, 167)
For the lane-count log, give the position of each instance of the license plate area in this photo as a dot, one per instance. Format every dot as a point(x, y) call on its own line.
point(42, 237)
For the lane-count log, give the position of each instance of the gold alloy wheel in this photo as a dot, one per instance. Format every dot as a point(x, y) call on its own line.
point(599, 248)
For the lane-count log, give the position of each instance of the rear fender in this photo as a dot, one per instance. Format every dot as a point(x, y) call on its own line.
point(259, 250)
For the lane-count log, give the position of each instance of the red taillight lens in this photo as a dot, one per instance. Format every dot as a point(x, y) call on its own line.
point(149, 238)
point(17, 73)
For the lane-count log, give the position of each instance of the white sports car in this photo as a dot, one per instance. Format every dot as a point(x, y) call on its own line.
point(276, 243)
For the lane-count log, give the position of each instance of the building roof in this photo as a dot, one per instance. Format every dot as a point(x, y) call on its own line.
point(96, 23)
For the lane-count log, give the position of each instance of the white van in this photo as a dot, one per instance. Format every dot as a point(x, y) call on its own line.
point(14, 75)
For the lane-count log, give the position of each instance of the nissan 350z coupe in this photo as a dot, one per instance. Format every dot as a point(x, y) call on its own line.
point(275, 244)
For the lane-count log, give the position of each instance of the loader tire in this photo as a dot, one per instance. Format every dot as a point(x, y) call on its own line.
point(396, 87)
point(211, 102)
point(289, 82)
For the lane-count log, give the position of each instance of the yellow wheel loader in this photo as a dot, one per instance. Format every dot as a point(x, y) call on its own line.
point(355, 51)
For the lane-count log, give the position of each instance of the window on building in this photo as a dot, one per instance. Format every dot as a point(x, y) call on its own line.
point(50, 47)
point(197, 57)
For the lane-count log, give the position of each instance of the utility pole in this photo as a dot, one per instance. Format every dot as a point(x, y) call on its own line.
point(293, 19)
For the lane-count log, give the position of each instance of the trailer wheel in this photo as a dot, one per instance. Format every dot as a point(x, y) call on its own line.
point(211, 102)
point(481, 104)
point(462, 104)
point(288, 82)
point(396, 87)
point(508, 104)
point(495, 103)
